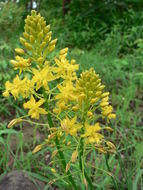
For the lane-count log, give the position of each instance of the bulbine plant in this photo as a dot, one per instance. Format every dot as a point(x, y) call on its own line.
point(77, 108)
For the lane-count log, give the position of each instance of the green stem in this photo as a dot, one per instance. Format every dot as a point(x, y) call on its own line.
point(108, 167)
point(61, 155)
point(81, 165)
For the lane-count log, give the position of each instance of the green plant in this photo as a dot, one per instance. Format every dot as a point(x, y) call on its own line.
point(78, 104)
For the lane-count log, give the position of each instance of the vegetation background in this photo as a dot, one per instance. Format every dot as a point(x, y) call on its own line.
point(104, 34)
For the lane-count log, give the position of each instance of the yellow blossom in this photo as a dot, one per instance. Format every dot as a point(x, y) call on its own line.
point(34, 107)
point(21, 63)
point(70, 126)
point(92, 134)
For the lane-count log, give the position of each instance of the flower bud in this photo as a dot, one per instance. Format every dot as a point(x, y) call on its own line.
point(51, 48)
point(98, 93)
point(105, 94)
point(22, 40)
point(26, 35)
point(103, 104)
point(53, 170)
point(32, 39)
point(40, 36)
point(47, 29)
point(63, 51)
point(40, 60)
point(53, 42)
point(37, 149)
point(14, 122)
point(111, 145)
point(33, 13)
point(28, 46)
point(89, 114)
point(39, 26)
point(42, 45)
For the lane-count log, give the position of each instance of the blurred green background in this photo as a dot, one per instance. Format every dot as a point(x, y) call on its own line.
point(106, 35)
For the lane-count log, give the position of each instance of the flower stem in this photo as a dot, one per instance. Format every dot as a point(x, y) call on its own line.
point(81, 165)
point(61, 155)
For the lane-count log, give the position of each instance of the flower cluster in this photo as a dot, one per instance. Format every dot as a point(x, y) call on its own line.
point(79, 103)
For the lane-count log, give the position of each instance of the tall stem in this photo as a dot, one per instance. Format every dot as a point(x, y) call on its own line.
point(81, 148)
point(61, 155)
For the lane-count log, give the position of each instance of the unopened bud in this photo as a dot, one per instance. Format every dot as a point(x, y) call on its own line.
point(53, 42)
point(74, 156)
point(14, 122)
point(37, 149)
point(63, 51)
point(28, 46)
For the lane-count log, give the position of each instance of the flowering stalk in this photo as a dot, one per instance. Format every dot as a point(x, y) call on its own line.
point(50, 86)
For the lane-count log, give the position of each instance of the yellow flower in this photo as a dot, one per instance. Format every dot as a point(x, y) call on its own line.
point(66, 92)
point(23, 87)
point(107, 112)
point(65, 69)
point(41, 78)
point(34, 107)
point(21, 63)
point(92, 134)
point(70, 126)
